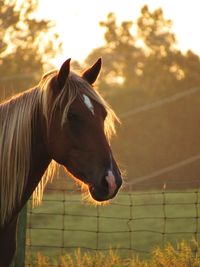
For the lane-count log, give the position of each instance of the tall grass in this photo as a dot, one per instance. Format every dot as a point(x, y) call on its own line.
point(182, 255)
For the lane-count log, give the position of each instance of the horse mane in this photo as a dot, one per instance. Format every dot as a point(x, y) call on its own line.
point(16, 130)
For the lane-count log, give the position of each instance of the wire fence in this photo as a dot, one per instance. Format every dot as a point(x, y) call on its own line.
point(134, 222)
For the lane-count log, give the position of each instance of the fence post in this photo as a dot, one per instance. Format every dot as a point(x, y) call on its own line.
point(21, 239)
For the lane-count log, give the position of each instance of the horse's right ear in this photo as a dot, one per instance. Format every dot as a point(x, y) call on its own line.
point(63, 73)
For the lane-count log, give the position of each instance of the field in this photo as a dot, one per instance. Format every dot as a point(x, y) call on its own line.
point(134, 223)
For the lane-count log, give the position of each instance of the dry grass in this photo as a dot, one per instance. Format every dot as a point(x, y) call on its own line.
point(180, 256)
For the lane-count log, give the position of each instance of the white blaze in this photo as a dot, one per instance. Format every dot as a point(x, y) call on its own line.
point(88, 103)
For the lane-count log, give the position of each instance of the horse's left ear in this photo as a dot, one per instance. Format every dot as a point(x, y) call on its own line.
point(63, 73)
point(92, 73)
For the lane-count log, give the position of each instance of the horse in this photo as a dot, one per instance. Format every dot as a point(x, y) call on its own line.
point(65, 121)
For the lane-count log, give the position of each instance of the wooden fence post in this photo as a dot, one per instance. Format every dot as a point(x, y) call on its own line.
point(21, 239)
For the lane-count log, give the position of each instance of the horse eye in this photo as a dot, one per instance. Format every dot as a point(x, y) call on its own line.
point(72, 116)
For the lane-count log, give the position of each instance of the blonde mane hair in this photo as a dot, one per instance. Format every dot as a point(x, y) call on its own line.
point(16, 132)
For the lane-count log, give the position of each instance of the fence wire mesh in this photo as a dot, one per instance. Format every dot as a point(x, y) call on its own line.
point(134, 222)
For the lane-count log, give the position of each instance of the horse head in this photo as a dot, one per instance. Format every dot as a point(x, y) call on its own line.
point(78, 123)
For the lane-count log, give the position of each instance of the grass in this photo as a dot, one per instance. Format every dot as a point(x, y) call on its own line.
point(180, 256)
point(136, 222)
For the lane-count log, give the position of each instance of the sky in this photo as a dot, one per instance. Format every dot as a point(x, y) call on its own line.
point(77, 21)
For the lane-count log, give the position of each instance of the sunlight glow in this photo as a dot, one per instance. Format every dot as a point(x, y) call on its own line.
point(77, 22)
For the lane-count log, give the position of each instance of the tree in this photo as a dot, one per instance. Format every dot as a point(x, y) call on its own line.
point(26, 45)
point(147, 61)
point(121, 56)
point(166, 68)
point(189, 65)
point(160, 71)
point(155, 32)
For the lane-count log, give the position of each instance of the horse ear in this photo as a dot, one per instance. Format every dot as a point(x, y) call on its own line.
point(63, 73)
point(92, 73)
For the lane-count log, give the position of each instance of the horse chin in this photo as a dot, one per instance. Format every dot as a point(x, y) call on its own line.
point(104, 190)
point(100, 194)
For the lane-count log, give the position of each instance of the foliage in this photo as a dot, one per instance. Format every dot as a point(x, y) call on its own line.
point(26, 44)
point(121, 56)
point(180, 256)
point(155, 32)
point(144, 56)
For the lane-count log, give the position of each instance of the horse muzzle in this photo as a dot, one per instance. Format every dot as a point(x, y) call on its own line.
point(108, 186)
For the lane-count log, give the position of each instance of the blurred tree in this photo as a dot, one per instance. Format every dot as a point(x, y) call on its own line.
point(155, 32)
point(26, 44)
point(121, 56)
point(166, 68)
point(159, 42)
point(189, 69)
point(146, 61)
